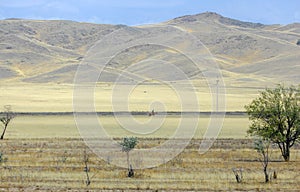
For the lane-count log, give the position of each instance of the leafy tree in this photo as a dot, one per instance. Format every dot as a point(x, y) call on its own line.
point(128, 144)
point(5, 119)
point(275, 116)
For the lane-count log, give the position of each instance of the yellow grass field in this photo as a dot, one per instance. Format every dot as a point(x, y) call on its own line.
point(59, 97)
point(45, 152)
point(64, 126)
point(56, 164)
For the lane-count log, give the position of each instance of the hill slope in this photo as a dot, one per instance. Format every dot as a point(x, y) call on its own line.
point(50, 51)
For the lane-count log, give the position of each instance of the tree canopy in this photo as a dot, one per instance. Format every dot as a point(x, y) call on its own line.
point(275, 115)
point(128, 143)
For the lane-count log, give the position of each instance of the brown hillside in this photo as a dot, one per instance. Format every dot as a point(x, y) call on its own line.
point(50, 51)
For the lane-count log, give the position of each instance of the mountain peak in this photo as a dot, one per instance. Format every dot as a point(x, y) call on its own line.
point(215, 17)
point(13, 19)
point(208, 14)
point(193, 18)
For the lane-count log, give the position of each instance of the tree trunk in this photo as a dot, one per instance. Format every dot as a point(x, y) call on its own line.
point(266, 175)
point(130, 170)
point(88, 181)
point(2, 136)
point(286, 155)
point(285, 150)
point(127, 155)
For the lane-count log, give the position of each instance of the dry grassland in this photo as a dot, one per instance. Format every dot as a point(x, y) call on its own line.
point(57, 165)
point(45, 153)
point(64, 126)
point(59, 97)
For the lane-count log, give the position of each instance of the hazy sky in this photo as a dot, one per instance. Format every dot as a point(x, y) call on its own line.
point(134, 12)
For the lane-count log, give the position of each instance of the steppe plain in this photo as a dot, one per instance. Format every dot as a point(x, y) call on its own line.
point(43, 150)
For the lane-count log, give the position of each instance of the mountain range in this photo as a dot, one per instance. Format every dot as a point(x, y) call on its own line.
point(49, 51)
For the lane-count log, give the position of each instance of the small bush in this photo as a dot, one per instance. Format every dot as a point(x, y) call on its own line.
point(2, 159)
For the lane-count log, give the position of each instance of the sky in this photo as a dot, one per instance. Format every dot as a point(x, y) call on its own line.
point(137, 12)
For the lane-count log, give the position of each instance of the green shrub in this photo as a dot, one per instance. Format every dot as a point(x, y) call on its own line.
point(2, 158)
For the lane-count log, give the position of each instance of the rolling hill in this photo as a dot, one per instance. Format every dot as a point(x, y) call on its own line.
point(37, 51)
